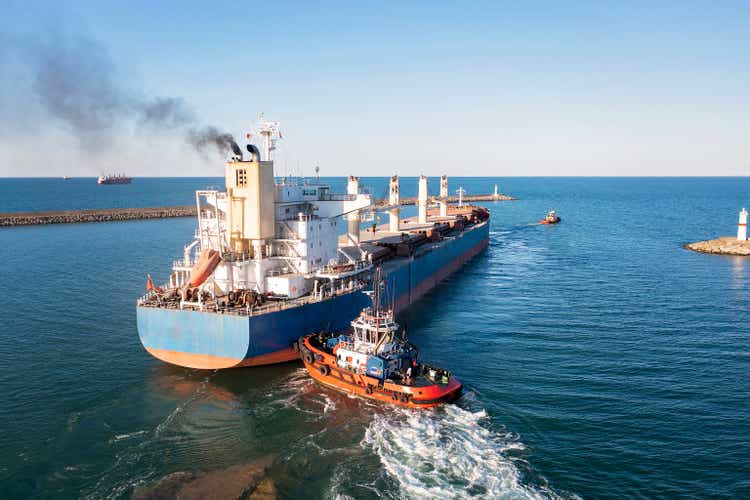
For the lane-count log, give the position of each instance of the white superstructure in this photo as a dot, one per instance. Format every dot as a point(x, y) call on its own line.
point(372, 346)
point(273, 236)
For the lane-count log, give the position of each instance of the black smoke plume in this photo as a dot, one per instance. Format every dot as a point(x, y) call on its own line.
point(77, 83)
point(211, 137)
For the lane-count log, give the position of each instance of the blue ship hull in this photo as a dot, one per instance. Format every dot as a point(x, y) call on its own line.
point(211, 340)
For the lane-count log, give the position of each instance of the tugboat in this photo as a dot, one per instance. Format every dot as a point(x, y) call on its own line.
point(551, 218)
point(373, 362)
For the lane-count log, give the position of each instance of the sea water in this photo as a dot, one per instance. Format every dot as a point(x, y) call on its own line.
point(599, 357)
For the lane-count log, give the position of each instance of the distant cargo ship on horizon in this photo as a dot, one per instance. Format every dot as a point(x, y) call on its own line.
point(114, 179)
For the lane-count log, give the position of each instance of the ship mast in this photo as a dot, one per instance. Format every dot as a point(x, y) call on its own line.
point(461, 192)
point(377, 283)
point(270, 132)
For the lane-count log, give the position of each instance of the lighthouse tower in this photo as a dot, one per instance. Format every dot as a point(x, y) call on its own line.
point(742, 226)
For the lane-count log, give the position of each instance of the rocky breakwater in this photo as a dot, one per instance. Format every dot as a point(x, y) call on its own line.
point(725, 245)
point(11, 219)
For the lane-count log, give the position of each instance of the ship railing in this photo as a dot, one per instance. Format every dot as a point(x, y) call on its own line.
point(336, 197)
point(152, 299)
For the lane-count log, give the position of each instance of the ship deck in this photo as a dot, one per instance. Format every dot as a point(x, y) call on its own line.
point(369, 240)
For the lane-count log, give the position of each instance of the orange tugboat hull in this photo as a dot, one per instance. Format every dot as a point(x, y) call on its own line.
point(323, 368)
point(547, 222)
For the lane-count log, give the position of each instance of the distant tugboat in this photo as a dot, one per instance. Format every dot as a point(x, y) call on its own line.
point(114, 179)
point(371, 362)
point(551, 218)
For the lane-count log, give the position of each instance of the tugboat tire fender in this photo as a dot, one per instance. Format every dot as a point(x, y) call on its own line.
point(308, 357)
point(404, 398)
point(368, 389)
point(394, 396)
point(324, 370)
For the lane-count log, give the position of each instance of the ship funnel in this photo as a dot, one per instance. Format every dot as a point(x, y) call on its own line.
point(236, 149)
point(250, 208)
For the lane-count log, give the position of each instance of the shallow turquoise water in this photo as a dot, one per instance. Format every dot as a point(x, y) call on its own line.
point(601, 359)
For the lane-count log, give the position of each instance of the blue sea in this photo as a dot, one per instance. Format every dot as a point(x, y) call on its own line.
point(600, 358)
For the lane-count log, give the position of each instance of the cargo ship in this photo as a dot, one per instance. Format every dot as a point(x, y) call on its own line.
point(268, 263)
point(114, 179)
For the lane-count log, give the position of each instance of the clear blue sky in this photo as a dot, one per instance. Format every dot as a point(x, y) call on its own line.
point(521, 88)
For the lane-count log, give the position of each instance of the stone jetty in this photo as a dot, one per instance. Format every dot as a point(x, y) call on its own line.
point(725, 245)
point(10, 219)
point(99, 215)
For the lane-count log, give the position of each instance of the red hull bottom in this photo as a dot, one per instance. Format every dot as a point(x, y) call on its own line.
point(206, 362)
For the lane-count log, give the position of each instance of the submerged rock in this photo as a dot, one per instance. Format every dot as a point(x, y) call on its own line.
point(245, 481)
point(726, 245)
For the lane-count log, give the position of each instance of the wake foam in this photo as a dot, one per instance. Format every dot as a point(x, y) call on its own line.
point(447, 453)
point(121, 437)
